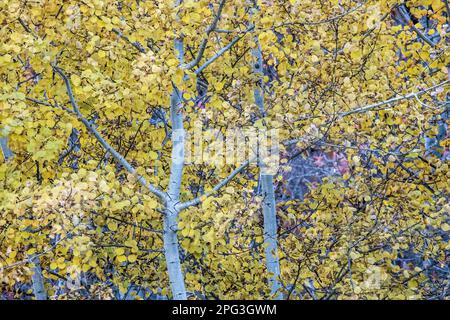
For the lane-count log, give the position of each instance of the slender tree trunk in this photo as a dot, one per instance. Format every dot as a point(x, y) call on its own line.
point(171, 247)
point(270, 232)
point(171, 214)
point(267, 189)
point(37, 279)
point(172, 254)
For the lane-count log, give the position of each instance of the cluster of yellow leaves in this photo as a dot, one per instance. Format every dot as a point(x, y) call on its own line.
point(91, 219)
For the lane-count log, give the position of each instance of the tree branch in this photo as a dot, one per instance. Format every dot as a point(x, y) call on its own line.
point(375, 106)
point(222, 51)
point(392, 100)
point(162, 195)
point(202, 47)
point(216, 188)
point(405, 15)
point(328, 20)
point(37, 255)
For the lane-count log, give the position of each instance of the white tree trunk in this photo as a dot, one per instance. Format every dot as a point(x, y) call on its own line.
point(270, 232)
point(172, 254)
point(267, 188)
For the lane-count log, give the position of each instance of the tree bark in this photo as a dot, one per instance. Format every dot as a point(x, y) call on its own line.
point(7, 153)
point(37, 279)
point(270, 233)
point(267, 189)
point(172, 254)
point(171, 247)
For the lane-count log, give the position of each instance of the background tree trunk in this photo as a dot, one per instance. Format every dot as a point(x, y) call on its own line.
point(37, 279)
point(7, 153)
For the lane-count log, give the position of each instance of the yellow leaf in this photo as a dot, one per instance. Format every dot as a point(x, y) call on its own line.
point(76, 81)
point(119, 251)
point(219, 86)
point(121, 258)
point(153, 155)
point(112, 226)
